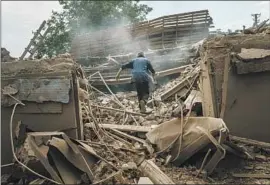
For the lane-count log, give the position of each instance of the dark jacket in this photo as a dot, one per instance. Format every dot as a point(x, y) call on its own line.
point(140, 69)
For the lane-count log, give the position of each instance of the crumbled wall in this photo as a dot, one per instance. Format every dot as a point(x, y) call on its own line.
point(246, 95)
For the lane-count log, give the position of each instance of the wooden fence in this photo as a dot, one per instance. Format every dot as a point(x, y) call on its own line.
point(160, 33)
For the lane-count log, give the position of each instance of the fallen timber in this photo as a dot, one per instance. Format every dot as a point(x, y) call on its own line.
point(185, 82)
point(128, 80)
point(247, 175)
point(250, 141)
point(127, 128)
point(150, 169)
point(118, 110)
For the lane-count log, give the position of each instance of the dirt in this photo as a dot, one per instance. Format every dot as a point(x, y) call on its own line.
point(5, 57)
point(56, 64)
point(118, 154)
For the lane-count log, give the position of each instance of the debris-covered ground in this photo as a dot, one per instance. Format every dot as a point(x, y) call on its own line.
point(172, 144)
point(5, 57)
point(186, 174)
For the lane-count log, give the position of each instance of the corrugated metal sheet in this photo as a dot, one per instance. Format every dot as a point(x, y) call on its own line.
point(39, 90)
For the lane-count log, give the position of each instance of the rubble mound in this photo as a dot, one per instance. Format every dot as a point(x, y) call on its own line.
point(5, 57)
point(60, 63)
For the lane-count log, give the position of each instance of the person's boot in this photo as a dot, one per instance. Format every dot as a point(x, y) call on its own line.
point(142, 106)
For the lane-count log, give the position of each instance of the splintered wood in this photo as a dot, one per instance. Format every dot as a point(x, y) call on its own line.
point(151, 170)
point(123, 146)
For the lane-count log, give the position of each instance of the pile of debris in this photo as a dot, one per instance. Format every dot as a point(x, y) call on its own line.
point(263, 27)
point(5, 57)
point(174, 144)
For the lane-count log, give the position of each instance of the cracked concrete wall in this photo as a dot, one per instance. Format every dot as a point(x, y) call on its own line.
point(248, 95)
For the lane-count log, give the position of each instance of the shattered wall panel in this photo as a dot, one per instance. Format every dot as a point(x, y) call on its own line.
point(38, 90)
point(247, 111)
point(48, 88)
point(65, 121)
point(246, 95)
point(251, 67)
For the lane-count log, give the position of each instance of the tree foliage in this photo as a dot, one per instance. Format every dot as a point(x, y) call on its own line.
point(85, 16)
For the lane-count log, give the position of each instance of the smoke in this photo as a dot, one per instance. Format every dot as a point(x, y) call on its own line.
point(119, 41)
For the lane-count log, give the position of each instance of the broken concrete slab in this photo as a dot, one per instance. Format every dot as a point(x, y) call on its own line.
point(62, 158)
point(253, 53)
point(38, 90)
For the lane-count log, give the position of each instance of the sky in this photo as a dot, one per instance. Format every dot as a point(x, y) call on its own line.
point(20, 18)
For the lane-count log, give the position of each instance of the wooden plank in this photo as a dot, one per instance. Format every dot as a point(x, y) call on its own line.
point(134, 139)
point(127, 136)
point(127, 80)
point(183, 83)
point(250, 175)
point(250, 141)
point(188, 17)
point(182, 14)
point(179, 28)
point(206, 85)
point(33, 51)
point(185, 22)
point(225, 86)
point(126, 128)
point(118, 110)
point(151, 170)
point(32, 40)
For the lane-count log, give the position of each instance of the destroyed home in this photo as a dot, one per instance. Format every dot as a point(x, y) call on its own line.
point(165, 40)
point(208, 121)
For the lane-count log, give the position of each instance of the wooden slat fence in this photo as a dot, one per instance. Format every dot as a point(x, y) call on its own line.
point(160, 33)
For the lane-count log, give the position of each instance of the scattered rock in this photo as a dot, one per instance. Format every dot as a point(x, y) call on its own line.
point(129, 166)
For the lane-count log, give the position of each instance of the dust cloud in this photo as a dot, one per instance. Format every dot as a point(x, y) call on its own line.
point(119, 41)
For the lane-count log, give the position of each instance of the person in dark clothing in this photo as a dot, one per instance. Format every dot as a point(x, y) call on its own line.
point(141, 68)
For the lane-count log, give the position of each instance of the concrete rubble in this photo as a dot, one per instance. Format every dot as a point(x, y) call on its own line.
point(5, 57)
point(177, 143)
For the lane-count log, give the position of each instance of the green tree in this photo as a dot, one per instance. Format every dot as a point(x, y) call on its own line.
point(84, 16)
